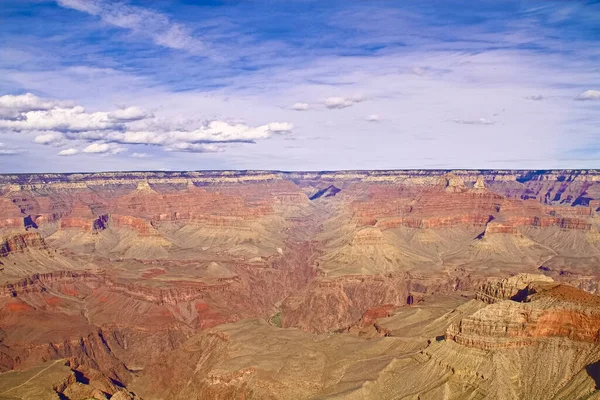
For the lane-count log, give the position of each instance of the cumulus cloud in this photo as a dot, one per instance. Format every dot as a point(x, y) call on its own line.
point(212, 132)
point(73, 119)
point(139, 20)
point(104, 148)
point(373, 118)
point(68, 152)
point(141, 155)
point(589, 95)
point(59, 123)
point(12, 106)
point(29, 112)
point(480, 121)
point(49, 138)
point(129, 114)
point(301, 107)
point(280, 127)
point(30, 102)
point(341, 102)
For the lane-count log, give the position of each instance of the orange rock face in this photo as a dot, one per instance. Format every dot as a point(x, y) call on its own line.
point(524, 311)
point(138, 225)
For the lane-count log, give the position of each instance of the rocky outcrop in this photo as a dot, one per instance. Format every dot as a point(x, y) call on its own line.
point(334, 304)
point(368, 237)
point(138, 225)
point(536, 308)
point(453, 184)
point(367, 326)
point(512, 288)
point(18, 243)
point(60, 379)
point(479, 186)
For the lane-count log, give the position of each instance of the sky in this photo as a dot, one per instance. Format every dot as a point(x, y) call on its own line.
point(102, 85)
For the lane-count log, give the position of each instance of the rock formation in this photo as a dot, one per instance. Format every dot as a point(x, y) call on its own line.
point(261, 284)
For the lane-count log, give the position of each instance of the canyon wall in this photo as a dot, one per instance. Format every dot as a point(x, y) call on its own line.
point(114, 270)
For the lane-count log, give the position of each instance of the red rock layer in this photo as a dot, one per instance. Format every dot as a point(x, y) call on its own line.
point(551, 310)
point(139, 319)
point(337, 303)
point(510, 324)
point(138, 225)
point(18, 243)
point(425, 207)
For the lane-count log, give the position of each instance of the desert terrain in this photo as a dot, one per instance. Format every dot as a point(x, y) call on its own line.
point(421, 284)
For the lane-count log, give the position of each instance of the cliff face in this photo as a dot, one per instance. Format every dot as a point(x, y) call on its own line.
point(512, 288)
point(18, 243)
point(526, 309)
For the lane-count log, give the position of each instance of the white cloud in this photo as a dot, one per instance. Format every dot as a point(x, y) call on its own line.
point(480, 121)
point(58, 125)
point(220, 131)
point(49, 138)
point(341, 102)
point(301, 107)
point(177, 37)
point(104, 148)
point(12, 106)
point(61, 119)
point(373, 118)
point(139, 20)
point(589, 95)
point(30, 102)
point(8, 151)
point(129, 114)
point(88, 6)
point(193, 147)
point(68, 152)
point(214, 131)
point(30, 112)
point(280, 127)
point(418, 71)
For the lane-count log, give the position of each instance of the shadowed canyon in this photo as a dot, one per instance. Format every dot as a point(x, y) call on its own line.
point(423, 284)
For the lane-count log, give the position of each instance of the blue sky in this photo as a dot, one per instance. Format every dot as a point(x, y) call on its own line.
point(92, 85)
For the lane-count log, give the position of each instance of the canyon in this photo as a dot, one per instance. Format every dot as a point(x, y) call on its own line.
point(408, 284)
